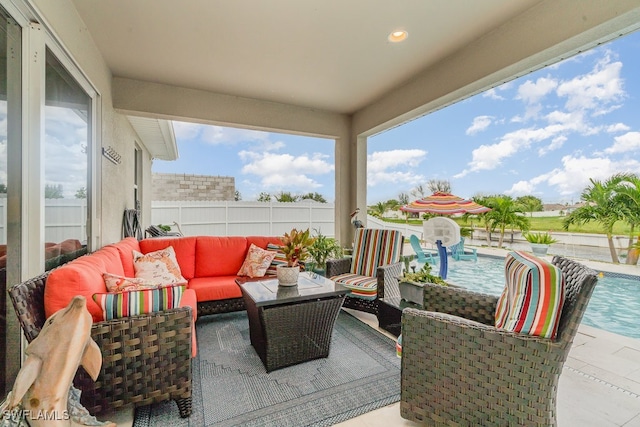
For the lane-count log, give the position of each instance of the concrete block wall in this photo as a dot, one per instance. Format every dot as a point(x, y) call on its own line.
point(185, 187)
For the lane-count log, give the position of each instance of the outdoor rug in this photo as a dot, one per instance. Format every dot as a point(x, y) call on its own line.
point(232, 388)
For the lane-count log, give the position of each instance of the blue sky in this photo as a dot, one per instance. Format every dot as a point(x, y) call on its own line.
point(544, 134)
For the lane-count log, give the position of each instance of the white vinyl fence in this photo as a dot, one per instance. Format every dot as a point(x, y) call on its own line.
point(64, 219)
point(243, 218)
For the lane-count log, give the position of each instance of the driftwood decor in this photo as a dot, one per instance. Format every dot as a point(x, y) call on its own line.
point(43, 393)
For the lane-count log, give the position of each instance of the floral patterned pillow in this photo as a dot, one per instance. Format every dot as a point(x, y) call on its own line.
point(117, 283)
point(160, 267)
point(256, 262)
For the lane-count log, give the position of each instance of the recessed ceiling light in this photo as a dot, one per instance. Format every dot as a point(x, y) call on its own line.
point(398, 36)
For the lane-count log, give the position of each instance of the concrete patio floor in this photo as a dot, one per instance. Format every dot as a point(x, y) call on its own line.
point(599, 385)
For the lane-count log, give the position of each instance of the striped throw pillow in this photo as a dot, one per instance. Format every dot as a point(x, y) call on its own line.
point(373, 248)
point(532, 300)
point(133, 303)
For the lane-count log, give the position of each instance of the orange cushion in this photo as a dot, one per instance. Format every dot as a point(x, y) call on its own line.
point(189, 300)
point(82, 276)
point(110, 258)
point(262, 241)
point(219, 256)
point(185, 248)
point(215, 288)
point(125, 248)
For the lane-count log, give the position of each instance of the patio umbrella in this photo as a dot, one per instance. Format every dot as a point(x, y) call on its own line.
point(444, 204)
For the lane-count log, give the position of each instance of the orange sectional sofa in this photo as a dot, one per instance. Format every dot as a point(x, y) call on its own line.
point(136, 349)
point(209, 263)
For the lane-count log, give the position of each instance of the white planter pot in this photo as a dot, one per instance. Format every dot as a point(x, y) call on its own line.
point(287, 276)
point(539, 249)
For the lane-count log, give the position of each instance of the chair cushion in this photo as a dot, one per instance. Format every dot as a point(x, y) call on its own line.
point(185, 248)
point(215, 288)
point(364, 287)
point(132, 303)
point(220, 255)
point(256, 262)
point(532, 300)
point(373, 248)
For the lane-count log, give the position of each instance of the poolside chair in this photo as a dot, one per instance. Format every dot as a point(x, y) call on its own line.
point(458, 252)
point(372, 270)
point(458, 368)
point(423, 257)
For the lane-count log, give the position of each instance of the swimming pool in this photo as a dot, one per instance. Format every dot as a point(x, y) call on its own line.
point(614, 305)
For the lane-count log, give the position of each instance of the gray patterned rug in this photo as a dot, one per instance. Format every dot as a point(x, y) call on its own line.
point(232, 388)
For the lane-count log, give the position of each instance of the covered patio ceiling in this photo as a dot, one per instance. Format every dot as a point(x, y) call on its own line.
point(334, 56)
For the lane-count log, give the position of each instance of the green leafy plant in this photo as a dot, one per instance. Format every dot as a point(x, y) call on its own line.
point(323, 248)
point(424, 276)
point(541, 238)
point(164, 227)
point(295, 245)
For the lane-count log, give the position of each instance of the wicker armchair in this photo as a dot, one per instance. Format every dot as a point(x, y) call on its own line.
point(457, 369)
point(376, 260)
point(145, 359)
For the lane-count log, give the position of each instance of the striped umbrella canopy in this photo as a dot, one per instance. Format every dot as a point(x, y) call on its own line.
point(445, 204)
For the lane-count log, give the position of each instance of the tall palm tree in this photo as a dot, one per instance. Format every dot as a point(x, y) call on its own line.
point(629, 197)
point(602, 205)
point(505, 212)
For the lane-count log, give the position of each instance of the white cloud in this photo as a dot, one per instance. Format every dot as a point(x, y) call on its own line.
point(521, 188)
point(487, 157)
point(394, 166)
point(573, 176)
point(285, 172)
point(617, 127)
point(479, 124)
point(630, 141)
point(556, 143)
point(594, 90)
point(532, 92)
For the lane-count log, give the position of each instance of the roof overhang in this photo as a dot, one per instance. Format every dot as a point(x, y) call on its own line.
point(157, 135)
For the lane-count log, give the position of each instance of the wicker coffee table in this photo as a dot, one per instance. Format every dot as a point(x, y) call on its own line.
point(290, 325)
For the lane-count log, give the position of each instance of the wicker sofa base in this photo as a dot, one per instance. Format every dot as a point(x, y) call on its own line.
point(368, 306)
point(220, 306)
point(145, 359)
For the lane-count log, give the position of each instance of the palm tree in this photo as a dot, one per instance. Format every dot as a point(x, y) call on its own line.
point(505, 212)
point(530, 204)
point(378, 209)
point(629, 197)
point(602, 205)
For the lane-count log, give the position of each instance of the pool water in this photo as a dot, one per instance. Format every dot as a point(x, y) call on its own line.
point(614, 305)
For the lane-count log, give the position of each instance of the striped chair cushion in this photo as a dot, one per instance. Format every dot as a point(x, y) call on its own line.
point(132, 303)
point(532, 300)
point(361, 286)
point(373, 248)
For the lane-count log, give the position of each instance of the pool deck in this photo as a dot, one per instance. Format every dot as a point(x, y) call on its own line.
point(599, 385)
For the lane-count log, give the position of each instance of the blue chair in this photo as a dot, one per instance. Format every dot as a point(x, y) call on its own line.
point(423, 257)
point(458, 253)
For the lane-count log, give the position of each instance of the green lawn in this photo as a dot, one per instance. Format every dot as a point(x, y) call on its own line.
point(553, 223)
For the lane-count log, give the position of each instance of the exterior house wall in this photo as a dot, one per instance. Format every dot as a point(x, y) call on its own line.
point(189, 187)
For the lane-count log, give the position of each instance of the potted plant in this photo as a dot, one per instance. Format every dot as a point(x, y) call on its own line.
point(539, 242)
point(324, 248)
point(411, 283)
point(295, 245)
